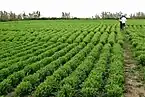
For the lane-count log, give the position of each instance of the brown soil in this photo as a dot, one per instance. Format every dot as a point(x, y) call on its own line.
point(133, 85)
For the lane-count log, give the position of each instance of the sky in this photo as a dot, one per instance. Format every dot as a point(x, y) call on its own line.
point(77, 8)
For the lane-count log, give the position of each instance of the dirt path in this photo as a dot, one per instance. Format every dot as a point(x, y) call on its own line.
point(134, 87)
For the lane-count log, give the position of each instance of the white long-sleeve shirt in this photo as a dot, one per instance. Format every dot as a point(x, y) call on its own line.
point(123, 20)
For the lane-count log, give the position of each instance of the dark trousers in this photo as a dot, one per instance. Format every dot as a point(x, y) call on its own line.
point(122, 25)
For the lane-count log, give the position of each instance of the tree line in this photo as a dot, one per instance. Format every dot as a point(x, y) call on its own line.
point(10, 16)
point(36, 15)
point(109, 15)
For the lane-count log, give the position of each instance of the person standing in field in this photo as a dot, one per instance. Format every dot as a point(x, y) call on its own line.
point(122, 22)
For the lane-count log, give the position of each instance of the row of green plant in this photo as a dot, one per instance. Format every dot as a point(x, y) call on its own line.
point(54, 83)
point(31, 68)
point(137, 38)
point(27, 58)
point(38, 77)
point(42, 59)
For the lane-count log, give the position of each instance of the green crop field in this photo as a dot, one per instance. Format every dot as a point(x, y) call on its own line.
point(67, 58)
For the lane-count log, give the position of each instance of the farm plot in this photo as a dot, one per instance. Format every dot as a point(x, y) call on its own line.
point(63, 59)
